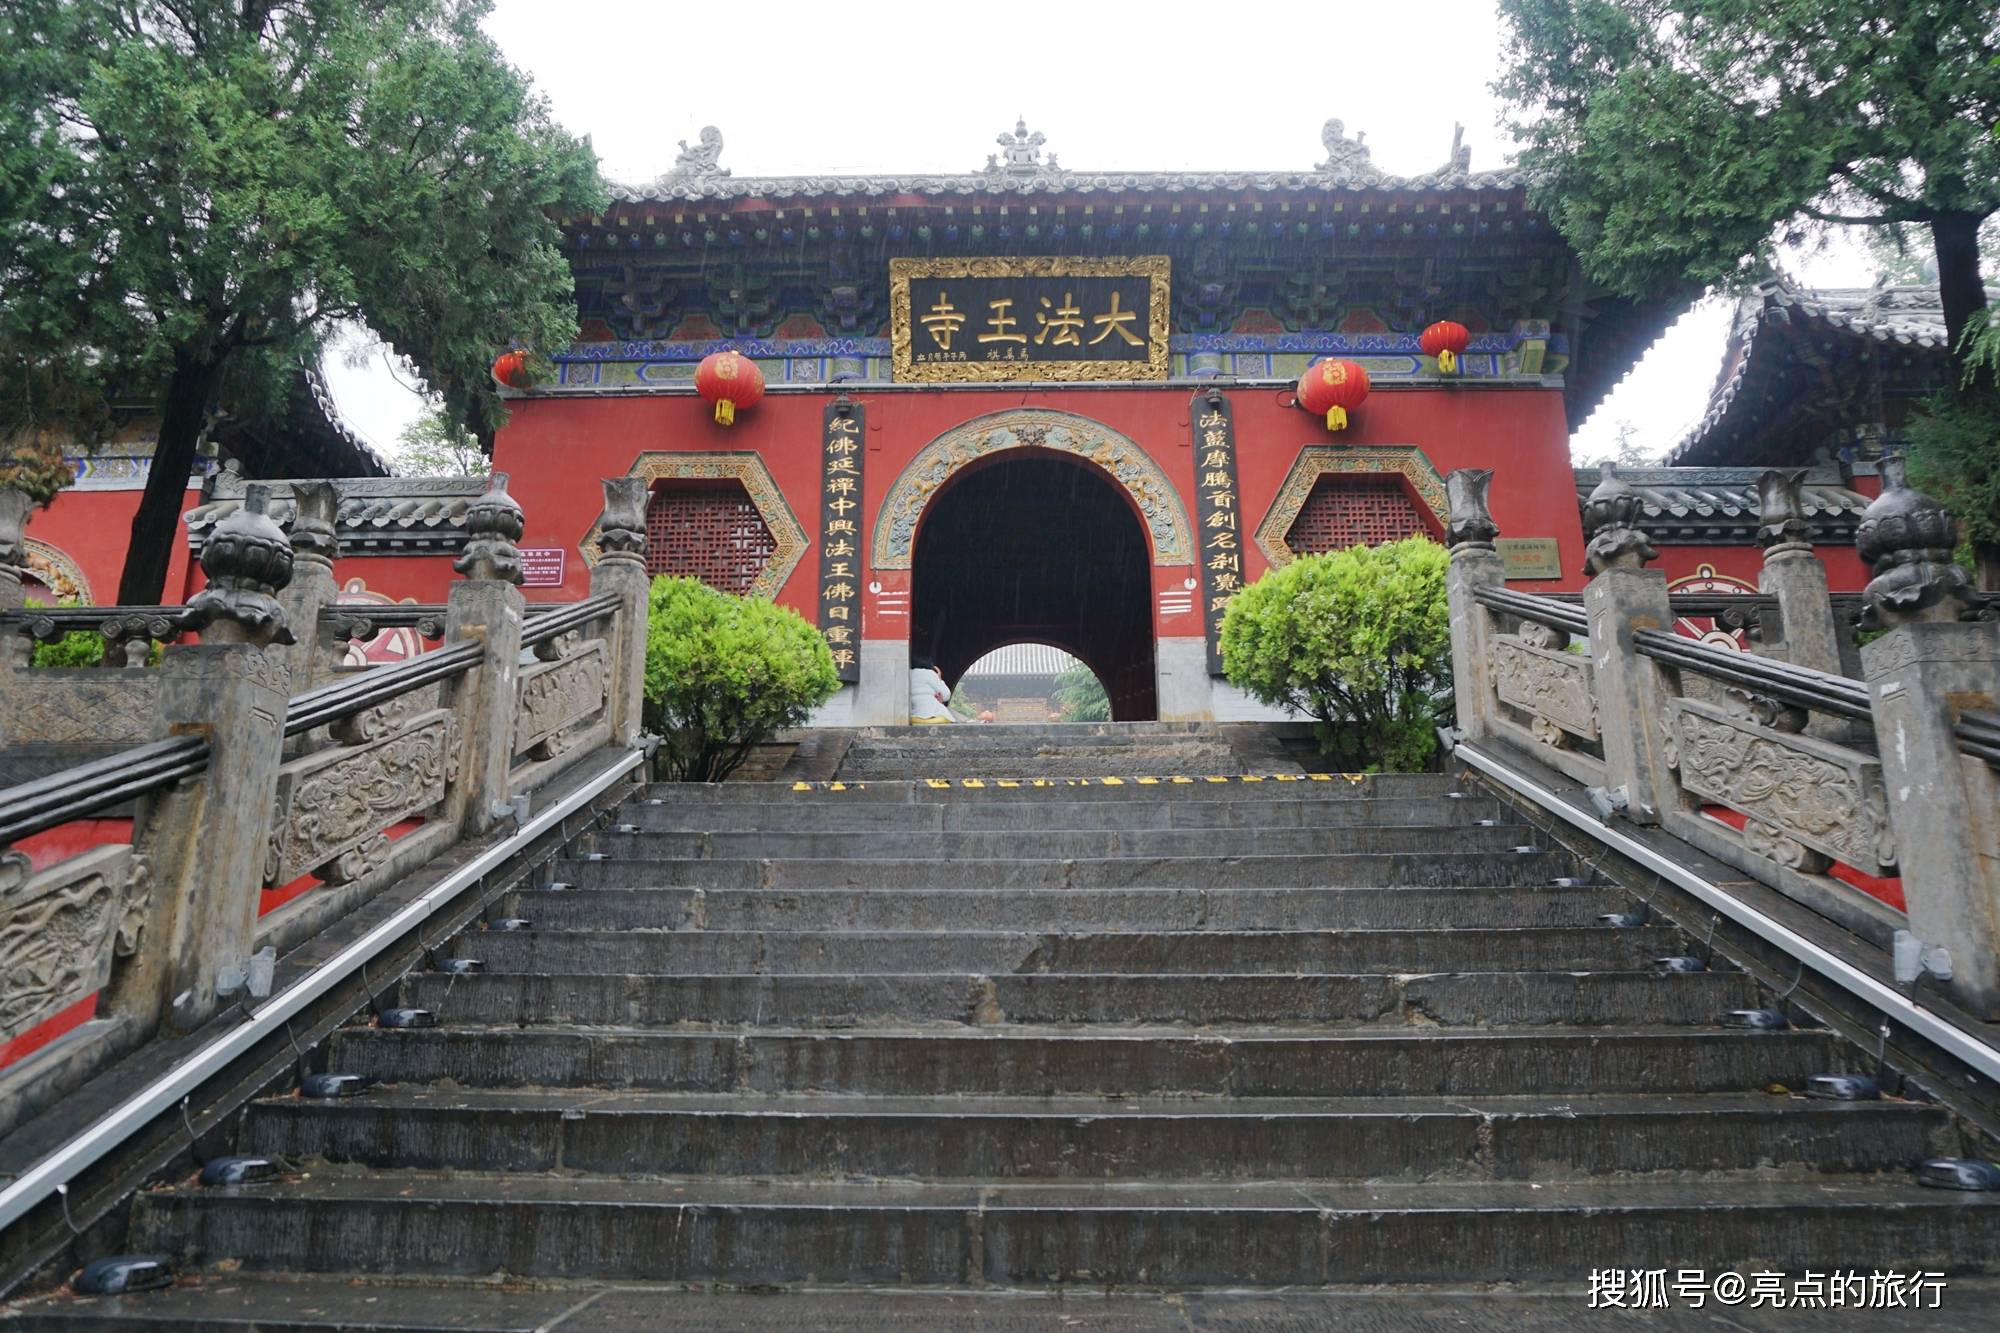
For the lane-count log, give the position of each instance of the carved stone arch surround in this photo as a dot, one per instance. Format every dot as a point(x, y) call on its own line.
point(53, 566)
point(1161, 511)
point(1318, 460)
point(749, 471)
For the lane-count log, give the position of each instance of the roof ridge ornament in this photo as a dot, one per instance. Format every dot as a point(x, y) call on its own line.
point(1023, 152)
point(1346, 159)
point(701, 162)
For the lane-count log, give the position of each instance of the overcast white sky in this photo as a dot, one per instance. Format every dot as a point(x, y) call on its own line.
point(926, 87)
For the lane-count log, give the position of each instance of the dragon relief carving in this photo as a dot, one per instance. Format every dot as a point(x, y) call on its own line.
point(333, 807)
point(1557, 689)
point(1808, 803)
point(60, 929)
point(553, 697)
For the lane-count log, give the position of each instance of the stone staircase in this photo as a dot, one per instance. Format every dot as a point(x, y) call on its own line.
point(984, 1033)
point(1044, 750)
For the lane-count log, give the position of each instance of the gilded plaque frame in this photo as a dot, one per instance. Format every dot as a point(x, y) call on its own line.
point(1154, 367)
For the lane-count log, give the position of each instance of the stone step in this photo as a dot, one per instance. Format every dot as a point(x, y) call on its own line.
point(1082, 1138)
point(951, 787)
point(1462, 999)
point(1019, 1060)
point(883, 844)
point(784, 815)
point(1219, 908)
point(1199, 952)
point(1166, 1234)
point(1346, 870)
point(271, 1303)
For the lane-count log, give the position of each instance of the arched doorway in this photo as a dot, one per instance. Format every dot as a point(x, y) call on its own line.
point(1032, 545)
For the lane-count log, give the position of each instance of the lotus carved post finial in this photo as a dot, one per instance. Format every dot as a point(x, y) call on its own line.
point(1611, 525)
point(1781, 511)
point(315, 511)
point(1471, 523)
point(247, 558)
point(621, 531)
point(1906, 537)
point(494, 523)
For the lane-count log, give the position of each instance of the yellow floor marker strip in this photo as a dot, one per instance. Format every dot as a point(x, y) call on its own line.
point(1180, 781)
point(1147, 782)
point(1111, 782)
point(971, 782)
point(1008, 782)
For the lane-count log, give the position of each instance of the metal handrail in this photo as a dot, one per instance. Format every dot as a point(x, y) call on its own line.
point(35, 806)
point(1800, 686)
point(567, 618)
point(344, 698)
point(1533, 606)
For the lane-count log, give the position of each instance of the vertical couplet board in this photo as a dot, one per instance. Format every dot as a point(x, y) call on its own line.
point(840, 536)
point(1219, 532)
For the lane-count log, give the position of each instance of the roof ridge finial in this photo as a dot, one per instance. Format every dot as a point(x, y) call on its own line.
point(1021, 151)
point(701, 162)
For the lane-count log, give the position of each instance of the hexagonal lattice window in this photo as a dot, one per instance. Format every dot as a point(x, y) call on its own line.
point(1346, 510)
point(710, 530)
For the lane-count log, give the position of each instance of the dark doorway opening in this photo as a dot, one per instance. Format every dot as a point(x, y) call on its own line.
point(1034, 547)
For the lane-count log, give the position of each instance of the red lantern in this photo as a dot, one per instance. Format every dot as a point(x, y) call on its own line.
point(511, 368)
point(1445, 340)
point(729, 380)
point(1332, 387)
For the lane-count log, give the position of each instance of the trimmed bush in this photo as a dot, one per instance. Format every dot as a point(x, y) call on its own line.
point(723, 674)
point(1360, 641)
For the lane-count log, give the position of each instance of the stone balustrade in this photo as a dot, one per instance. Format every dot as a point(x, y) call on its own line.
point(1773, 761)
point(256, 765)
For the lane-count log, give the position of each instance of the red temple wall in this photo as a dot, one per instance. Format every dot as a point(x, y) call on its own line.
point(93, 528)
point(556, 449)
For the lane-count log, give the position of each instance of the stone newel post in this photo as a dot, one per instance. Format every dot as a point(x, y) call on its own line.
point(15, 506)
point(1793, 574)
point(1623, 598)
point(206, 839)
point(621, 572)
point(315, 546)
point(1922, 674)
point(1475, 564)
point(487, 606)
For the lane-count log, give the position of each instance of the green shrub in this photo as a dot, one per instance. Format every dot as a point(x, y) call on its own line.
point(1079, 695)
point(79, 648)
point(1359, 640)
point(723, 674)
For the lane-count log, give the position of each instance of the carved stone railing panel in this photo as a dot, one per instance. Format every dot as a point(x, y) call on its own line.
point(60, 929)
point(333, 807)
point(552, 697)
point(1532, 672)
point(59, 706)
point(1809, 802)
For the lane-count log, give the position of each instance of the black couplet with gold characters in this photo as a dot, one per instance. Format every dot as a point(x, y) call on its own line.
point(1216, 517)
point(840, 536)
point(1046, 318)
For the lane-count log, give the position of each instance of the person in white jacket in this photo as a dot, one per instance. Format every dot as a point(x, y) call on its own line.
point(930, 697)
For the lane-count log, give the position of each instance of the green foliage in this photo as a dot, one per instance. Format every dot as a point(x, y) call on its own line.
point(1673, 141)
point(433, 447)
point(723, 674)
point(78, 648)
point(1359, 640)
point(1079, 695)
point(1954, 443)
point(193, 193)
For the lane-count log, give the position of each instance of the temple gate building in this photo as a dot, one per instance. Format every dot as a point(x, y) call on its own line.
point(1036, 404)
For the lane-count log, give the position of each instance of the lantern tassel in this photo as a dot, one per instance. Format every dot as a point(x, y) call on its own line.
point(1336, 418)
point(1447, 362)
point(725, 412)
